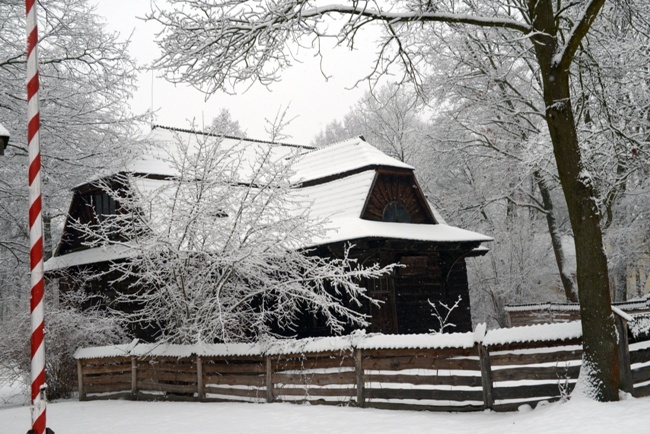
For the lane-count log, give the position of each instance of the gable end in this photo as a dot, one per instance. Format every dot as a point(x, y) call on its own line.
point(396, 196)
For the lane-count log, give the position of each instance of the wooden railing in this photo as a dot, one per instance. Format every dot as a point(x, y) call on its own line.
point(456, 372)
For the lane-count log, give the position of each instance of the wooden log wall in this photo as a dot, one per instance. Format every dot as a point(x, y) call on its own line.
point(525, 373)
point(501, 376)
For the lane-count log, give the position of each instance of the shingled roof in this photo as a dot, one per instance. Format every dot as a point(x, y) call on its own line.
point(334, 182)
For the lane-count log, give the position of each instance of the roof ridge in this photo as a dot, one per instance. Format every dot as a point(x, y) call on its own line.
point(340, 142)
point(227, 136)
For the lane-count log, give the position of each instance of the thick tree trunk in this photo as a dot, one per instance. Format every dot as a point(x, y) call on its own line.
point(598, 326)
point(570, 290)
point(600, 342)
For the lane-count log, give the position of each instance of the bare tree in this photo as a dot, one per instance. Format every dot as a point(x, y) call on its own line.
point(212, 44)
point(86, 81)
point(391, 117)
point(221, 251)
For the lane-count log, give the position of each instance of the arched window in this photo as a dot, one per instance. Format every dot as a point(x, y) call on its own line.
point(396, 212)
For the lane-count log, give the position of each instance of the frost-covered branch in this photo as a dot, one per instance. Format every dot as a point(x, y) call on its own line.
point(215, 45)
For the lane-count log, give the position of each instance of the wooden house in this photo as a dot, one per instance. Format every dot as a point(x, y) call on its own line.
point(368, 199)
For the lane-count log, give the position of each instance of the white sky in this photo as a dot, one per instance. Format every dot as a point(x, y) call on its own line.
point(313, 99)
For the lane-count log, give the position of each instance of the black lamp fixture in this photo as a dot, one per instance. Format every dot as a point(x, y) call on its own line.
point(4, 139)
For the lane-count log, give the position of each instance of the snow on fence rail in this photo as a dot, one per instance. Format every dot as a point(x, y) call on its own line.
point(501, 369)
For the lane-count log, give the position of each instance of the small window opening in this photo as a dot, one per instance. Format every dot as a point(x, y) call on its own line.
point(395, 212)
point(103, 205)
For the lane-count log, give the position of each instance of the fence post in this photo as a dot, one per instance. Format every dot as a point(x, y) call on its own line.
point(626, 382)
point(486, 376)
point(80, 380)
point(269, 379)
point(358, 368)
point(134, 378)
point(199, 378)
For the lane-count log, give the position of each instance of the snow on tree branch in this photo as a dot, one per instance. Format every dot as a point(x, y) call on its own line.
point(215, 45)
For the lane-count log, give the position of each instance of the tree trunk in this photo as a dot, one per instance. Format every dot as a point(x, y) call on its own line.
point(598, 327)
point(600, 358)
point(570, 290)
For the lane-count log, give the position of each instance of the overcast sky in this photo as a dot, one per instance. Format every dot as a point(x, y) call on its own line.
point(313, 99)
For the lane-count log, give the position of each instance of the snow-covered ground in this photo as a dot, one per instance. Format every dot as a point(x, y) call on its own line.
point(125, 417)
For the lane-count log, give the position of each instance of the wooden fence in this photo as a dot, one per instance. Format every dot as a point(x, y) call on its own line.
point(500, 370)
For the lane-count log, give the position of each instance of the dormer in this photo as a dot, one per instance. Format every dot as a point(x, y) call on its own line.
point(396, 197)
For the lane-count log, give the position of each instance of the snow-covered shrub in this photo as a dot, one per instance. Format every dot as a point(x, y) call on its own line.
point(66, 329)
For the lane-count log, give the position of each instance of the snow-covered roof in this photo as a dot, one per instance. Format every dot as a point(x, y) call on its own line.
point(340, 203)
point(93, 255)
point(347, 170)
point(161, 149)
point(341, 157)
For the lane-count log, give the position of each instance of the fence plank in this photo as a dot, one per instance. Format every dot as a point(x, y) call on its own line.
point(314, 391)
point(640, 356)
point(257, 380)
point(405, 362)
point(246, 393)
point(316, 379)
point(532, 391)
point(433, 380)
point(534, 358)
point(535, 373)
point(108, 369)
point(212, 367)
point(641, 375)
point(428, 394)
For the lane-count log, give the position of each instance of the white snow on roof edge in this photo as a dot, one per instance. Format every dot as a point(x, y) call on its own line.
point(534, 333)
point(356, 340)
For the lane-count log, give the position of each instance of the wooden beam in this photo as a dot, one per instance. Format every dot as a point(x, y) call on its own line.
point(486, 377)
point(358, 366)
point(80, 380)
point(626, 383)
point(269, 379)
point(134, 377)
point(199, 379)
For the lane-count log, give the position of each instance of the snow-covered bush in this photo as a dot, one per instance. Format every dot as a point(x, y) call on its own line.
point(66, 329)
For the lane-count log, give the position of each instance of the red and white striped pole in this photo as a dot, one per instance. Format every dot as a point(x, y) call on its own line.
point(35, 226)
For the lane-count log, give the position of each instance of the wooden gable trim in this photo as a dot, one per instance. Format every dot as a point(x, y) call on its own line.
point(347, 173)
point(381, 193)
